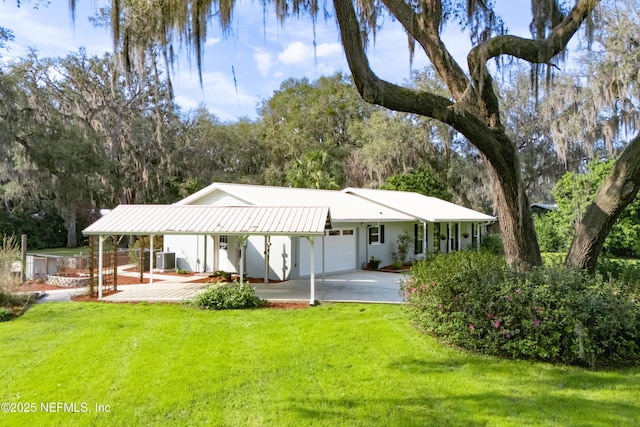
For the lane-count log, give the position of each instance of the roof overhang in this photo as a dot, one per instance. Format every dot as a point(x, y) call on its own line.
point(212, 220)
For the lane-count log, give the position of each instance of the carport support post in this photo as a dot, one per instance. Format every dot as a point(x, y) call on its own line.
point(243, 240)
point(151, 259)
point(312, 298)
point(100, 260)
point(267, 248)
point(323, 269)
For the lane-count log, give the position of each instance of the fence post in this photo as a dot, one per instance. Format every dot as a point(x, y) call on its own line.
point(24, 257)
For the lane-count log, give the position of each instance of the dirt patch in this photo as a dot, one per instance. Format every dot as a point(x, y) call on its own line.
point(271, 305)
point(287, 305)
point(89, 298)
point(36, 285)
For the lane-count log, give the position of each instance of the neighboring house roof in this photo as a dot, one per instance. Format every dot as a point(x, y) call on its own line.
point(545, 206)
point(419, 206)
point(344, 207)
point(200, 219)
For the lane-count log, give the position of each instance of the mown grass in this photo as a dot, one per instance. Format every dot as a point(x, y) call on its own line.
point(83, 250)
point(330, 365)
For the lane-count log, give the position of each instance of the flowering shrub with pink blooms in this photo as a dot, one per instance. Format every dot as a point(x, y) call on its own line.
point(473, 300)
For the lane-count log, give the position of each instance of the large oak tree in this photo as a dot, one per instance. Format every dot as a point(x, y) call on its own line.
point(472, 109)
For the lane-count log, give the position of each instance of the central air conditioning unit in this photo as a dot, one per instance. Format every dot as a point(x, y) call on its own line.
point(166, 261)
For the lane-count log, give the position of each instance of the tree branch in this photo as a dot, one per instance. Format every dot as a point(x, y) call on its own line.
point(398, 98)
point(535, 51)
point(424, 29)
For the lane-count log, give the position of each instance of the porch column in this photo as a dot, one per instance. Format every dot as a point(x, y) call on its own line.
point(478, 235)
point(151, 259)
point(448, 237)
point(425, 242)
point(100, 262)
point(459, 237)
point(204, 263)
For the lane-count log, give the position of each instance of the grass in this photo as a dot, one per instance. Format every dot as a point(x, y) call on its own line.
point(331, 365)
point(82, 250)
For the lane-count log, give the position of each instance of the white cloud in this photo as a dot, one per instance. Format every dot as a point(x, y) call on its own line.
point(295, 53)
point(329, 49)
point(211, 41)
point(264, 61)
point(219, 95)
point(299, 52)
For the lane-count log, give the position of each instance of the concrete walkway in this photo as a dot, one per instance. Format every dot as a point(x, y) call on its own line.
point(351, 286)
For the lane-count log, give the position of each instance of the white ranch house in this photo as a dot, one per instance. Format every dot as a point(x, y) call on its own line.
point(361, 223)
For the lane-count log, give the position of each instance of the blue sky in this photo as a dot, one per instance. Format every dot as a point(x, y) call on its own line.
point(261, 56)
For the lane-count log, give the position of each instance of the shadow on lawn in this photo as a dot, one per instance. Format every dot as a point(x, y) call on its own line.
point(473, 409)
point(537, 393)
point(470, 390)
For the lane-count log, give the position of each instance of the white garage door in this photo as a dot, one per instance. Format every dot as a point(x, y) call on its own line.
point(339, 252)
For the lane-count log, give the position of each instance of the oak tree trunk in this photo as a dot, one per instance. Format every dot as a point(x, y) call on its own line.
point(618, 190)
point(70, 223)
point(517, 230)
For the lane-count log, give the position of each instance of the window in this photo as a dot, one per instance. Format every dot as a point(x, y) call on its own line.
point(223, 243)
point(418, 232)
point(376, 235)
point(334, 232)
point(347, 232)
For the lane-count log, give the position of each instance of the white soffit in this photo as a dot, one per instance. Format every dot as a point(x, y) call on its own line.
point(244, 220)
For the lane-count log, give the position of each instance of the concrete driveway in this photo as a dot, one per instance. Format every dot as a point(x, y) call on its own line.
point(350, 286)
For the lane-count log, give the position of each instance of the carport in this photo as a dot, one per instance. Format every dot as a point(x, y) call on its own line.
point(241, 221)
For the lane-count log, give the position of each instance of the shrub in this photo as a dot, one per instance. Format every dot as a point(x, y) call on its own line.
point(492, 243)
point(228, 297)
point(471, 299)
point(5, 314)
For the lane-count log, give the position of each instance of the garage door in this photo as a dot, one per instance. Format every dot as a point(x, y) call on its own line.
point(339, 252)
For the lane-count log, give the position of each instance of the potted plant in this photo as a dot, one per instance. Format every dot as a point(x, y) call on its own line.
point(374, 263)
point(465, 235)
point(443, 237)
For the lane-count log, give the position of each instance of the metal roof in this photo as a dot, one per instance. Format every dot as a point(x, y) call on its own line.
point(201, 219)
point(344, 207)
point(421, 207)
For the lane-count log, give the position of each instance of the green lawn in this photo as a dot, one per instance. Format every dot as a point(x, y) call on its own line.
point(330, 365)
point(84, 250)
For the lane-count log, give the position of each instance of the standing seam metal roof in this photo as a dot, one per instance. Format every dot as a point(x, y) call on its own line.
point(199, 219)
point(343, 206)
point(419, 206)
